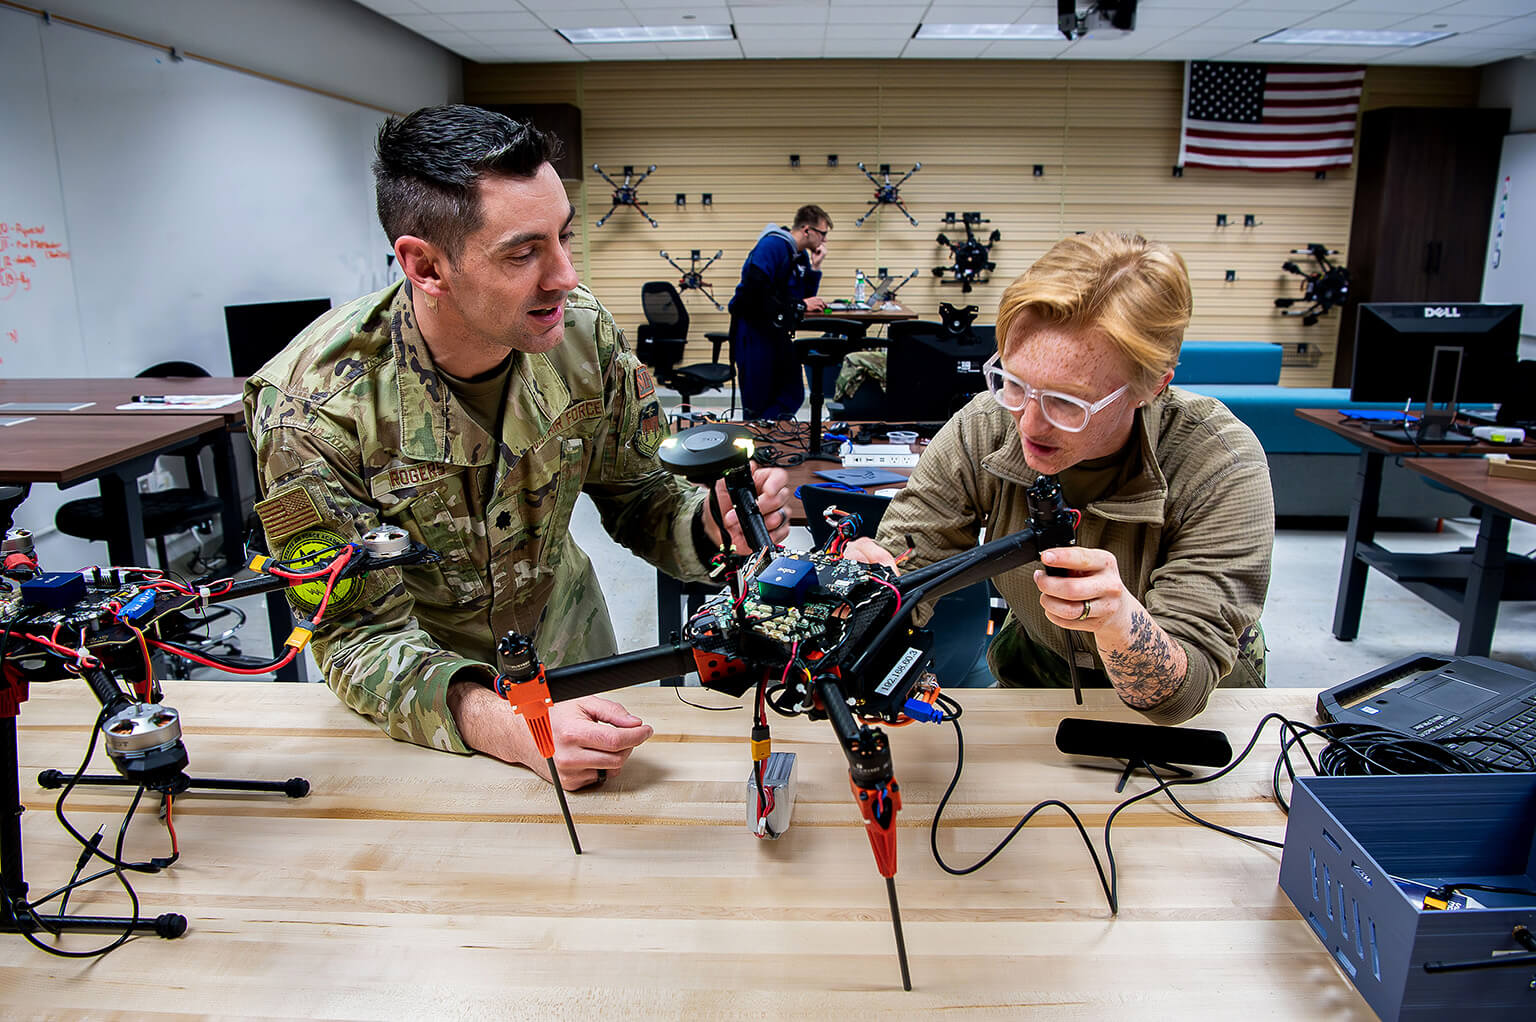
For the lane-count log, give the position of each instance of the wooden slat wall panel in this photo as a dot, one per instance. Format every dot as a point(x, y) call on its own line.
point(1105, 134)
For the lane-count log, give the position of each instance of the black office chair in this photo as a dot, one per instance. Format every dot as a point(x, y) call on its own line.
point(660, 343)
point(821, 343)
point(960, 621)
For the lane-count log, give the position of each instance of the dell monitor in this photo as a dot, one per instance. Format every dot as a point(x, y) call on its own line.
point(1435, 355)
point(259, 331)
point(931, 373)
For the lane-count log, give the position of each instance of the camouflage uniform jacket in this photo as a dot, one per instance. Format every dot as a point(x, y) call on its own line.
point(1192, 532)
point(354, 428)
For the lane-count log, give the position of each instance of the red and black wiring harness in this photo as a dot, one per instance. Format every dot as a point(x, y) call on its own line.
point(295, 571)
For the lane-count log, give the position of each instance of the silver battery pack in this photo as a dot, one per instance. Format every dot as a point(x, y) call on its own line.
point(779, 780)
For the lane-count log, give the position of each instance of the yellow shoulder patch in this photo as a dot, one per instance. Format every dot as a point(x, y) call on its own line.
point(311, 549)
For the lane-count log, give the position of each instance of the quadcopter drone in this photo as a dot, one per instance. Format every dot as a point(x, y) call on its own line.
point(101, 624)
point(626, 194)
point(886, 193)
point(1323, 289)
point(814, 633)
point(971, 258)
point(692, 279)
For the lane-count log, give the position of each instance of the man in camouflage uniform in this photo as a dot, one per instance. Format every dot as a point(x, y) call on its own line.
point(471, 404)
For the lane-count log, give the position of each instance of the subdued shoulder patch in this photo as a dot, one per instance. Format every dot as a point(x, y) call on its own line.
point(644, 385)
point(286, 512)
point(651, 431)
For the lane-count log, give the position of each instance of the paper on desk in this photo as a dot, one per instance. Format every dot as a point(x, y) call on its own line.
point(201, 402)
point(15, 420)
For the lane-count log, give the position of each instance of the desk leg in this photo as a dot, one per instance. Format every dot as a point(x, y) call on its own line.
point(669, 613)
point(231, 521)
point(1362, 529)
point(1485, 585)
point(120, 503)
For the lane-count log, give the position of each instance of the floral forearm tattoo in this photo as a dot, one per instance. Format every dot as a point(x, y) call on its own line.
point(1146, 670)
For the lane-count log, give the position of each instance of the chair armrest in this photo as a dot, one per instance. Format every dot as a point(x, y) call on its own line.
point(718, 339)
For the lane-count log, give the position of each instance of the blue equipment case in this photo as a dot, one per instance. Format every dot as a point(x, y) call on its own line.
point(1347, 837)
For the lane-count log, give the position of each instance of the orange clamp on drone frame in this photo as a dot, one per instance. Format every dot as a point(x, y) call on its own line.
point(531, 700)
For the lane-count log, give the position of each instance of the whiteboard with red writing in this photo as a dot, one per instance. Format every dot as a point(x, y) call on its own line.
point(141, 193)
point(39, 320)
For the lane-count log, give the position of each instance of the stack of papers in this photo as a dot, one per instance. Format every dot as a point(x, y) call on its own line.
point(181, 402)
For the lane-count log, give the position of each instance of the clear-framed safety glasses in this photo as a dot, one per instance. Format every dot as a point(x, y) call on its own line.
point(1061, 410)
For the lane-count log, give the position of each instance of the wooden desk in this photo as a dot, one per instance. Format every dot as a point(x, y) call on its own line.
point(418, 884)
point(1475, 602)
point(112, 449)
point(106, 394)
point(890, 312)
point(1427, 575)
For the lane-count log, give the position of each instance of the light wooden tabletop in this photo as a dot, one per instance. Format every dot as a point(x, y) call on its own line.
point(414, 883)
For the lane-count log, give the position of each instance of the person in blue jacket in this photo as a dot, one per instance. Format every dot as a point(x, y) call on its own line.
point(777, 289)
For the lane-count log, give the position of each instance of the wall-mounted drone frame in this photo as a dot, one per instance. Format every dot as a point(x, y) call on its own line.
point(692, 279)
point(1321, 290)
point(887, 193)
point(626, 194)
point(971, 258)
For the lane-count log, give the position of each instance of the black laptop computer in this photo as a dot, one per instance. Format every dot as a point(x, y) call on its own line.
point(1438, 697)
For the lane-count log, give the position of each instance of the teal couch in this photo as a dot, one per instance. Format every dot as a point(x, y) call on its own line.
point(1312, 469)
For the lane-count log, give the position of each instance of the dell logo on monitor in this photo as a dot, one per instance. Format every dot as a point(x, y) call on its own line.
point(1441, 312)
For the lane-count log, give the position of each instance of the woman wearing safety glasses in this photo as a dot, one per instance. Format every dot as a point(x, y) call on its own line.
point(1164, 590)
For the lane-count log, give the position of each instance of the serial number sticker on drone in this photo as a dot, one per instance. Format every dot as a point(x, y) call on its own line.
point(309, 550)
point(898, 671)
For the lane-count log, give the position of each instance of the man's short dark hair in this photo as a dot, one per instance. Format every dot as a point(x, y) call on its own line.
point(429, 163)
point(810, 216)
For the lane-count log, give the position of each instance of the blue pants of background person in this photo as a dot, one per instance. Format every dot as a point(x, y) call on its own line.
point(769, 377)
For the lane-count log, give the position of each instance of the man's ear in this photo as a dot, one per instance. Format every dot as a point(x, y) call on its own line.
point(423, 263)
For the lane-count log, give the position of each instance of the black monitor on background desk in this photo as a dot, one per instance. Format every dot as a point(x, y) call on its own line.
point(931, 373)
point(260, 330)
point(1435, 356)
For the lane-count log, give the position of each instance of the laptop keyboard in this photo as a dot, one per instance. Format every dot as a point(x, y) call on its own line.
point(1518, 727)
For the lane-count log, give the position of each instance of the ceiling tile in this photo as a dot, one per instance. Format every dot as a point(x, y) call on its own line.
point(502, 20)
point(1440, 21)
point(392, 6)
point(906, 15)
point(703, 14)
point(1370, 20)
point(591, 19)
point(799, 14)
point(1026, 49)
point(704, 49)
point(468, 6)
point(1401, 7)
point(1508, 8)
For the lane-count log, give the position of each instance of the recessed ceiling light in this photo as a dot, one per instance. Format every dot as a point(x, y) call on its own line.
point(648, 34)
point(926, 31)
point(1351, 37)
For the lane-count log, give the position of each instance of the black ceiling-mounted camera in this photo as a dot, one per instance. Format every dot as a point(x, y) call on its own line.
point(1106, 18)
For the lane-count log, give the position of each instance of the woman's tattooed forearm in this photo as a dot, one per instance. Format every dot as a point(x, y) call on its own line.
point(1146, 669)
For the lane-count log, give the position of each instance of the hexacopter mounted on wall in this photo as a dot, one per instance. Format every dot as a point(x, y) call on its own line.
point(625, 194)
point(692, 279)
point(886, 192)
point(1322, 289)
point(971, 257)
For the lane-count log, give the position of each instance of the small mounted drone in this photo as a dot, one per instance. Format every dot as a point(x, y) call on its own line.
point(885, 287)
point(972, 258)
point(1321, 290)
point(625, 194)
point(692, 279)
point(886, 193)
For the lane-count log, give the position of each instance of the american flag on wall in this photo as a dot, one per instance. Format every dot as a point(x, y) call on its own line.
point(1269, 117)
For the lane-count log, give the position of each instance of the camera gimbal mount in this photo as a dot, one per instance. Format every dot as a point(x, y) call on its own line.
point(971, 258)
point(818, 635)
